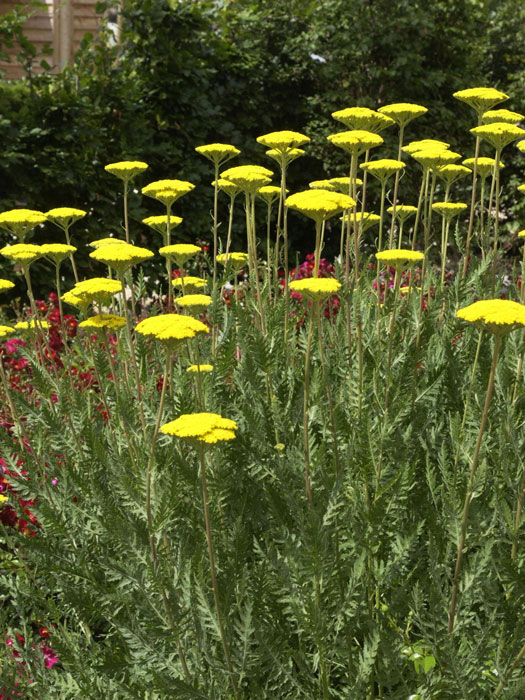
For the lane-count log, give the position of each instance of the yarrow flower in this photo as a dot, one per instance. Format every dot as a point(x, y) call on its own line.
point(63, 217)
point(170, 328)
point(98, 289)
point(230, 188)
point(23, 253)
point(365, 219)
point(194, 369)
point(218, 152)
point(363, 118)
point(5, 331)
point(31, 325)
point(319, 204)
point(283, 141)
point(403, 112)
point(501, 116)
point(121, 256)
point(160, 223)
point(384, 168)
point(285, 158)
point(403, 211)
point(316, 288)
point(189, 282)
point(431, 158)
point(110, 321)
point(249, 178)
point(20, 221)
point(399, 257)
point(208, 428)
point(105, 241)
point(194, 302)
point(269, 193)
point(57, 251)
point(342, 184)
point(485, 166)
point(180, 253)
point(126, 169)
point(425, 145)
point(498, 134)
point(449, 210)
point(450, 173)
point(481, 98)
point(322, 185)
point(6, 284)
point(497, 315)
point(520, 188)
point(237, 260)
point(356, 141)
point(76, 301)
point(167, 191)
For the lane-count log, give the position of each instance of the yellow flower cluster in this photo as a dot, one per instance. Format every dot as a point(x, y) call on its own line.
point(195, 369)
point(498, 315)
point(269, 193)
point(189, 282)
point(498, 134)
point(485, 166)
point(449, 210)
point(20, 221)
point(64, 216)
point(431, 158)
point(96, 289)
point(316, 288)
point(450, 173)
point(400, 257)
point(501, 116)
point(237, 260)
point(248, 178)
point(207, 428)
point(31, 325)
point(167, 191)
point(283, 141)
point(283, 158)
point(126, 169)
point(57, 251)
point(5, 331)
point(218, 152)
point(171, 327)
point(230, 188)
point(121, 256)
point(76, 301)
point(481, 98)
point(195, 302)
point(109, 321)
point(5, 284)
point(356, 141)
point(180, 252)
point(425, 145)
point(160, 223)
point(403, 112)
point(363, 118)
point(403, 211)
point(384, 168)
point(23, 253)
point(319, 204)
point(105, 241)
point(342, 184)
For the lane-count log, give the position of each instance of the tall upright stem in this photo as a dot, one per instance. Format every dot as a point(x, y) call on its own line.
point(472, 204)
point(215, 221)
point(306, 396)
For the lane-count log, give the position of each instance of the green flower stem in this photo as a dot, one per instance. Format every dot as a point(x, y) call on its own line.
point(467, 400)
point(215, 587)
point(400, 237)
point(280, 210)
point(391, 328)
point(396, 185)
point(319, 230)
point(132, 354)
point(68, 241)
point(365, 180)
point(484, 240)
point(380, 241)
point(326, 382)
point(268, 247)
point(445, 226)
point(472, 204)
point(470, 485)
point(427, 222)
point(516, 661)
point(168, 260)
point(126, 222)
point(39, 330)
point(251, 224)
point(496, 219)
point(423, 191)
point(306, 397)
point(229, 235)
point(215, 220)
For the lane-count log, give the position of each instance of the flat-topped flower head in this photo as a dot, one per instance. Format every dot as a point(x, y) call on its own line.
point(180, 253)
point(403, 112)
point(236, 260)
point(98, 289)
point(5, 285)
point(342, 184)
point(160, 223)
point(76, 301)
point(126, 169)
point(285, 157)
point(203, 428)
point(228, 187)
point(450, 173)
point(121, 256)
point(321, 185)
point(195, 303)
point(102, 321)
point(316, 288)
point(403, 211)
point(425, 145)
point(319, 204)
point(384, 168)
point(521, 146)
point(485, 166)
point(269, 193)
point(502, 116)
point(249, 178)
point(195, 369)
point(22, 253)
point(218, 152)
point(57, 251)
point(105, 241)
point(283, 141)
point(6, 331)
point(20, 221)
point(356, 141)
point(498, 134)
point(364, 219)
point(481, 98)
point(449, 210)
point(363, 118)
point(31, 325)
point(400, 257)
point(520, 188)
point(435, 158)
point(171, 328)
point(521, 234)
point(497, 315)
point(167, 191)
point(63, 217)
point(189, 283)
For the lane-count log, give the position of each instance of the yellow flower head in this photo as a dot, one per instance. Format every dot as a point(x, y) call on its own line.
point(121, 256)
point(5, 284)
point(5, 331)
point(319, 204)
point(501, 116)
point(230, 188)
point(63, 217)
point(384, 168)
point(451, 173)
point(356, 141)
point(425, 145)
point(208, 428)
point(485, 166)
point(399, 257)
point(403, 211)
point(481, 99)
point(109, 321)
point(105, 241)
point(283, 158)
point(195, 369)
point(322, 185)
point(76, 301)
point(498, 134)
point(520, 188)
point(434, 158)
point(189, 283)
point(342, 184)
point(171, 328)
point(167, 191)
point(497, 315)
point(160, 223)
point(316, 288)
point(194, 302)
point(363, 118)
point(98, 289)
point(236, 260)
point(20, 221)
point(126, 169)
point(521, 146)
point(403, 112)
point(283, 141)
point(364, 219)
point(449, 210)
point(249, 178)
point(270, 193)
point(521, 234)
point(180, 253)
point(23, 253)
point(218, 152)
point(31, 325)
point(57, 251)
